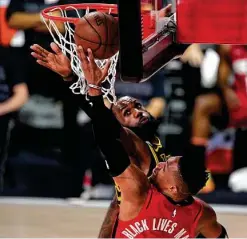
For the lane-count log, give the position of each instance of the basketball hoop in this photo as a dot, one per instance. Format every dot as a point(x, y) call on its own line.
point(65, 40)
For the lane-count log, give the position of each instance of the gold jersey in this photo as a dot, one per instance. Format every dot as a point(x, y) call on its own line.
point(158, 155)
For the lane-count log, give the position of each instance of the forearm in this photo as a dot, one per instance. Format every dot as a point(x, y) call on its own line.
point(107, 132)
point(15, 102)
point(156, 107)
point(79, 99)
point(23, 21)
point(106, 229)
point(112, 129)
point(110, 135)
point(218, 231)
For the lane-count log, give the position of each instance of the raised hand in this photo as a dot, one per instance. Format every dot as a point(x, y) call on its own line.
point(93, 74)
point(57, 61)
point(193, 55)
point(166, 11)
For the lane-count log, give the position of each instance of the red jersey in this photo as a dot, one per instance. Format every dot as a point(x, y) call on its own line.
point(238, 56)
point(160, 218)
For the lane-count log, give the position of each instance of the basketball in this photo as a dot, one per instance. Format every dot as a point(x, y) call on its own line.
point(99, 32)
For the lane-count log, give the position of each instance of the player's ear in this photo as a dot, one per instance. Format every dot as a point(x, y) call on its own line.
point(114, 109)
point(173, 189)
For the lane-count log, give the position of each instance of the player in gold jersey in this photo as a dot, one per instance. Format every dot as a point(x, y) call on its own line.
point(148, 148)
point(157, 155)
point(133, 115)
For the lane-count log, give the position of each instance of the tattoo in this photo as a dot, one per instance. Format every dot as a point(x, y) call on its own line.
point(110, 218)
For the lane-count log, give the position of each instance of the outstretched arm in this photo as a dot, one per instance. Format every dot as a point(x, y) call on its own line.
point(16, 101)
point(132, 181)
point(109, 135)
point(58, 62)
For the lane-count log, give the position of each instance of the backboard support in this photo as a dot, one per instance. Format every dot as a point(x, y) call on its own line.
point(130, 36)
point(198, 21)
point(142, 41)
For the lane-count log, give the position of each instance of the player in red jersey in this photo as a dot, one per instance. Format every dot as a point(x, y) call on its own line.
point(229, 102)
point(235, 62)
point(162, 207)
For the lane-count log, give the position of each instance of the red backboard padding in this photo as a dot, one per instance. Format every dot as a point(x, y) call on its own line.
point(212, 21)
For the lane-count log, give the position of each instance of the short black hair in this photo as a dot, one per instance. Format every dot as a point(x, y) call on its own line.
point(194, 174)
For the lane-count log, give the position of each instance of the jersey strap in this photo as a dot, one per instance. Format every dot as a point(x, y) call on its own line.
point(157, 150)
point(158, 155)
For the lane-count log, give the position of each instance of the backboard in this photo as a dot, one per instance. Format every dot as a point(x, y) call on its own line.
point(212, 21)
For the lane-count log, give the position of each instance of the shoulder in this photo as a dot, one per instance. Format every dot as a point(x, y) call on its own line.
point(130, 137)
point(129, 131)
point(208, 214)
point(208, 225)
point(137, 149)
point(134, 138)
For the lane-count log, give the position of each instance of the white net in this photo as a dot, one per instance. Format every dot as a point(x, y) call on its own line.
point(65, 40)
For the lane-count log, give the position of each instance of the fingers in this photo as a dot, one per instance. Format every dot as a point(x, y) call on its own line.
point(42, 63)
point(165, 12)
point(81, 55)
point(106, 69)
point(37, 56)
point(39, 50)
point(168, 10)
point(56, 48)
point(91, 58)
point(51, 58)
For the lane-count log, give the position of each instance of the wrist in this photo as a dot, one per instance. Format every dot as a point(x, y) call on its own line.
point(94, 90)
point(68, 77)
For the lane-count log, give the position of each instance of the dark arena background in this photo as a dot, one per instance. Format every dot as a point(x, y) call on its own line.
point(53, 179)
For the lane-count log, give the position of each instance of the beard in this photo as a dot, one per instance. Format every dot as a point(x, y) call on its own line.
point(148, 130)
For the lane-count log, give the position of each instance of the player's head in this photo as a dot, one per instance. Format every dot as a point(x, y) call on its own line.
point(131, 114)
point(178, 179)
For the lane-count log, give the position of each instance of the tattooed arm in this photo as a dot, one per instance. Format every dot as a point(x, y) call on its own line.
point(109, 220)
